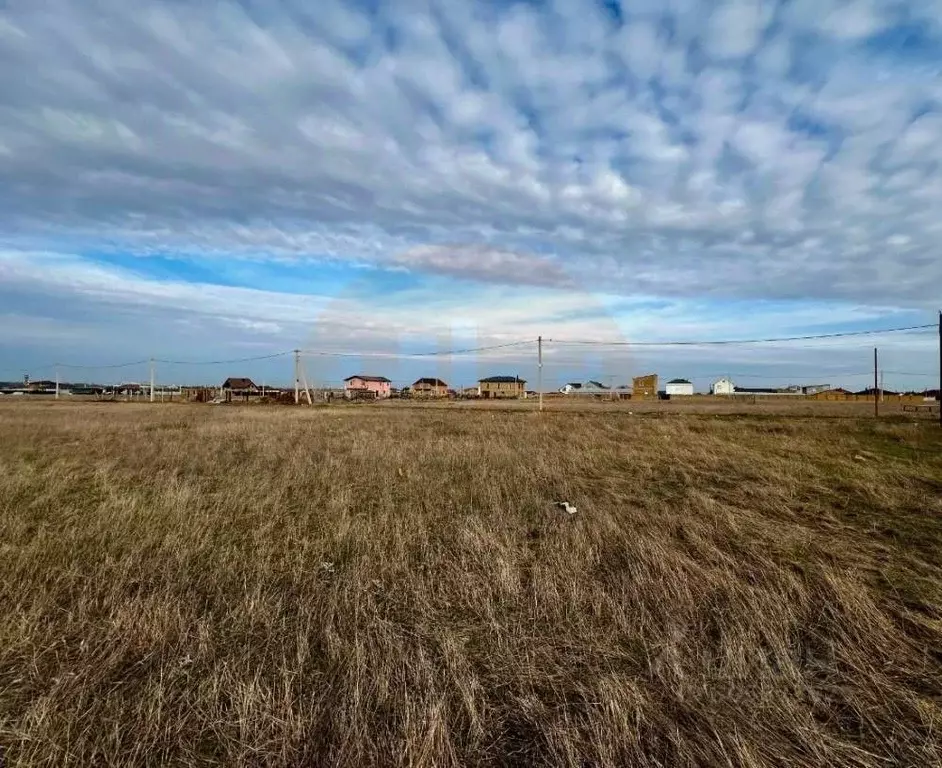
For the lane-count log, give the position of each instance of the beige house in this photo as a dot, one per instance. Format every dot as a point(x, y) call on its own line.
point(501, 387)
point(427, 387)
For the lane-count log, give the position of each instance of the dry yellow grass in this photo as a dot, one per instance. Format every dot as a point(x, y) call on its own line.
point(189, 585)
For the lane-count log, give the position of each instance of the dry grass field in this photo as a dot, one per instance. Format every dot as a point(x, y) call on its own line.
point(359, 586)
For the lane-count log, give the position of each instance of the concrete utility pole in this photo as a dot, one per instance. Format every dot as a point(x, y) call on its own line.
point(539, 377)
point(57, 382)
point(303, 376)
point(297, 376)
point(876, 398)
point(152, 379)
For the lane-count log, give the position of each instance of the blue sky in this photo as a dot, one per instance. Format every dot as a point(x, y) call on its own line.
point(205, 181)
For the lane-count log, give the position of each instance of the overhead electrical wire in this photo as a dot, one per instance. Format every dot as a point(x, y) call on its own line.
point(729, 342)
point(509, 345)
point(224, 362)
point(97, 367)
point(436, 353)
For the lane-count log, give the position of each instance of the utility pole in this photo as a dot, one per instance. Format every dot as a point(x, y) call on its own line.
point(297, 376)
point(539, 378)
point(307, 389)
point(57, 382)
point(876, 399)
point(152, 379)
point(882, 386)
point(940, 368)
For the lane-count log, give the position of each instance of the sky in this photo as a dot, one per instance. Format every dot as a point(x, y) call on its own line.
point(371, 180)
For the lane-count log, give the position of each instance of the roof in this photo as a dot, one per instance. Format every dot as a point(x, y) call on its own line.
point(679, 381)
point(238, 383)
point(502, 380)
point(363, 377)
point(430, 381)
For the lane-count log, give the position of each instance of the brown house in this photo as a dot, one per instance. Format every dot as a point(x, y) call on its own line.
point(238, 387)
point(644, 387)
point(427, 387)
point(502, 387)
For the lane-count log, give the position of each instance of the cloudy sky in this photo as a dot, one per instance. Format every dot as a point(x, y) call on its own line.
point(200, 181)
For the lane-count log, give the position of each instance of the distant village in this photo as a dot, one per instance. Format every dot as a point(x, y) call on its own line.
point(364, 387)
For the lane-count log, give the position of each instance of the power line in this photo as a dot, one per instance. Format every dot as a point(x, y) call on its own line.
point(908, 373)
point(726, 342)
point(509, 345)
point(223, 362)
point(95, 367)
point(437, 353)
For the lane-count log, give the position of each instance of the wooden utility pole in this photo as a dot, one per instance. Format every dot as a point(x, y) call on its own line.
point(539, 377)
point(876, 397)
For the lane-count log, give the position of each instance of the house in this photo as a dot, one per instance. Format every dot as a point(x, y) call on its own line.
point(837, 393)
point(588, 388)
point(501, 387)
point(362, 385)
point(644, 387)
point(428, 387)
point(722, 386)
point(868, 392)
point(238, 387)
point(678, 387)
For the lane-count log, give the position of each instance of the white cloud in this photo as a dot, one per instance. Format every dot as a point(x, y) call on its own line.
point(854, 20)
point(630, 155)
point(736, 28)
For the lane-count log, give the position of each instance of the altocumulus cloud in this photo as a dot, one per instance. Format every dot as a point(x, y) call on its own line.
point(739, 149)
